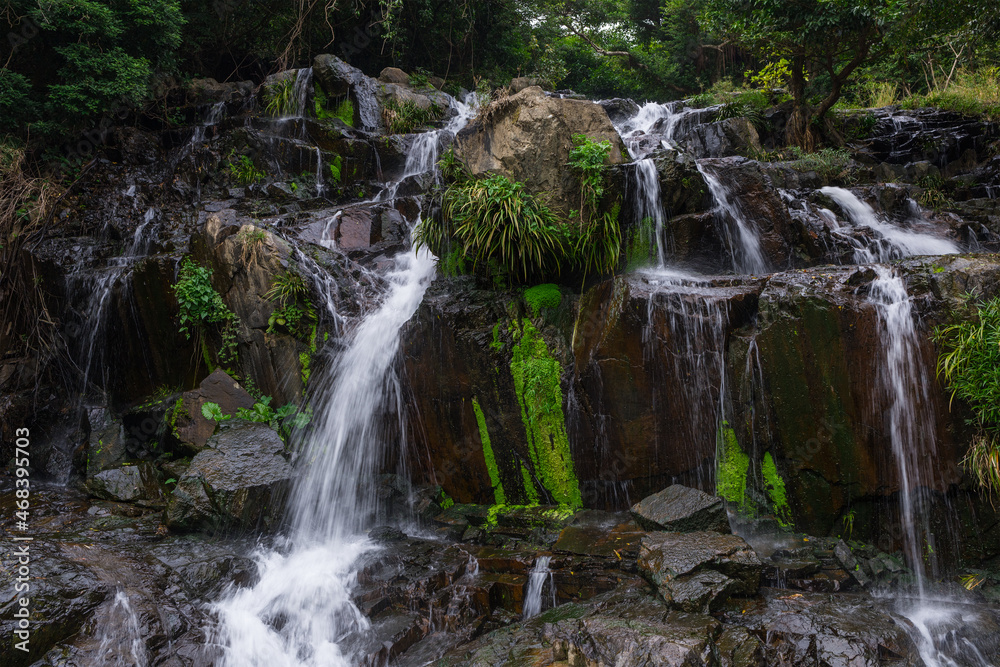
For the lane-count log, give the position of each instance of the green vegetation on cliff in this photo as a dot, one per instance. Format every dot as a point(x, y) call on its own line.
point(202, 308)
point(537, 384)
point(774, 485)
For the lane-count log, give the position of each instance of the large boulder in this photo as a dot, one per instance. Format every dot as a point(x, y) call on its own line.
point(528, 137)
point(394, 75)
point(190, 425)
point(732, 136)
point(682, 509)
point(697, 572)
point(238, 481)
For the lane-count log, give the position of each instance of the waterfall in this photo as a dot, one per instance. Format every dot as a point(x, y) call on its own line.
point(892, 242)
point(319, 173)
point(300, 612)
point(686, 327)
point(300, 91)
point(647, 204)
point(539, 575)
point(904, 388)
point(741, 236)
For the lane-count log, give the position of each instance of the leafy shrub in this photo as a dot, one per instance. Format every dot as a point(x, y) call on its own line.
point(294, 313)
point(588, 158)
point(201, 307)
point(404, 117)
point(244, 171)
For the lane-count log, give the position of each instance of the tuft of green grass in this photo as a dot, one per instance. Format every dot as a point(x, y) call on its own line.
point(243, 170)
point(405, 117)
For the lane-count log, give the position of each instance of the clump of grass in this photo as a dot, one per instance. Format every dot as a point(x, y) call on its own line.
point(404, 117)
point(501, 228)
point(243, 170)
point(280, 98)
point(969, 361)
point(830, 163)
point(252, 241)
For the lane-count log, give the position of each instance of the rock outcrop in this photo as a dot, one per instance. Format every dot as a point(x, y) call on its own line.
point(681, 509)
point(528, 136)
point(238, 481)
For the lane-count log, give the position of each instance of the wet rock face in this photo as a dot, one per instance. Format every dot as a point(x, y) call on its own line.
point(732, 136)
point(529, 140)
point(699, 571)
point(682, 509)
point(238, 481)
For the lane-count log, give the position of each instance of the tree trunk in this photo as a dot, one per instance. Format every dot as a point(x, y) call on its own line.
point(798, 132)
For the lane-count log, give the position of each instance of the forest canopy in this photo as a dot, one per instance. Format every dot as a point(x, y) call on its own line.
point(67, 62)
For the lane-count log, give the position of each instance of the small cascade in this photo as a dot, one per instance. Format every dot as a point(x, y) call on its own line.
point(648, 205)
point(537, 578)
point(638, 126)
point(121, 644)
point(300, 91)
point(740, 234)
point(320, 188)
point(905, 386)
point(891, 242)
point(686, 329)
point(211, 118)
point(300, 611)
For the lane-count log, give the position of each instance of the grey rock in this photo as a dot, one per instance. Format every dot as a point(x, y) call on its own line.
point(128, 484)
point(699, 571)
point(238, 481)
point(681, 509)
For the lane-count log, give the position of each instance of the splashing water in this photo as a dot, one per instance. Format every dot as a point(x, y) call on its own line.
point(647, 204)
point(122, 644)
point(300, 612)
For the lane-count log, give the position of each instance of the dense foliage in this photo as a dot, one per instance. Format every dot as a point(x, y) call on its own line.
point(69, 63)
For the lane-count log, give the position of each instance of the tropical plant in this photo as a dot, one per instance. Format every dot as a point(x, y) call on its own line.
point(212, 412)
point(588, 159)
point(201, 307)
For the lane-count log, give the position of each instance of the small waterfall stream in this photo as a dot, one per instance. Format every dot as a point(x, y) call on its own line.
point(539, 576)
point(742, 238)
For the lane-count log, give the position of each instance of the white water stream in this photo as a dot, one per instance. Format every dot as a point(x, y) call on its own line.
point(539, 576)
point(742, 237)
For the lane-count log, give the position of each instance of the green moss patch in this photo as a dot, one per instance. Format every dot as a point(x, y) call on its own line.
point(733, 465)
point(491, 463)
point(542, 296)
point(537, 385)
point(775, 488)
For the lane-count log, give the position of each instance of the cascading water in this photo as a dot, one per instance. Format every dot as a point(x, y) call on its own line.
point(647, 204)
point(540, 575)
point(300, 612)
point(893, 242)
point(741, 236)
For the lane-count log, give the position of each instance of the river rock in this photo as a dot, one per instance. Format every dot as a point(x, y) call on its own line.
point(191, 426)
point(239, 480)
point(682, 509)
point(334, 75)
point(517, 84)
point(528, 136)
point(209, 91)
point(129, 484)
point(732, 136)
point(699, 571)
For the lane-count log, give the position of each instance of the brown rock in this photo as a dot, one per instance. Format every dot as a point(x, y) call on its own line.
point(528, 138)
point(394, 75)
point(191, 426)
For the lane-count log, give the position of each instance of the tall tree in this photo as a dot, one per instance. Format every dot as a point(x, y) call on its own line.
point(817, 37)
